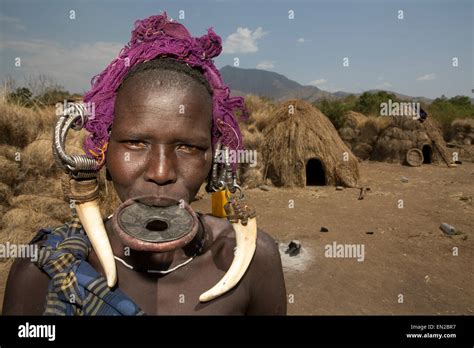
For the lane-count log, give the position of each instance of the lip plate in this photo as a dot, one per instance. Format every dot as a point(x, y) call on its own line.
point(143, 242)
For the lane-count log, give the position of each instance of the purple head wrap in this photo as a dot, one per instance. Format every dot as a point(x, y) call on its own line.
point(161, 36)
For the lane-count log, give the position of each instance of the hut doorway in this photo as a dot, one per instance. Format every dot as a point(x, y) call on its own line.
point(426, 154)
point(315, 175)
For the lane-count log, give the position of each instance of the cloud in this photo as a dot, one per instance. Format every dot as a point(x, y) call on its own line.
point(243, 40)
point(301, 40)
point(426, 77)
point(318, 82)
point(383, 85)
point(265, 65)
point(71, 68)
point(12, 22)
point(333, 89)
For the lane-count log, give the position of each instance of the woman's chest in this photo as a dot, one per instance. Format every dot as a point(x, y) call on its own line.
point(177, 293)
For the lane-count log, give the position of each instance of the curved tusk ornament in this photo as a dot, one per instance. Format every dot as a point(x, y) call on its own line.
point(91, 219)
point(82, 187)
point(246, 240)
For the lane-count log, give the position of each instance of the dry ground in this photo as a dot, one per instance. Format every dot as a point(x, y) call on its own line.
point(407, 253)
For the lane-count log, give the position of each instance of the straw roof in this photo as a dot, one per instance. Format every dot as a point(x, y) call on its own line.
point(299, 132)
point(354, 119)
point(403, 134)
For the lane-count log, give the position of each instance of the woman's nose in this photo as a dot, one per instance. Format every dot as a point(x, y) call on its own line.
point(161, 165)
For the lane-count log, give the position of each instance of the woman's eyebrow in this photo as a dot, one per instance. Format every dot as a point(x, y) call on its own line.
point(194, 139)
point(131, 134)
point(184, 138)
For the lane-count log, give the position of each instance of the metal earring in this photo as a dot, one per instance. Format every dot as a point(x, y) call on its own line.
point(221, 176)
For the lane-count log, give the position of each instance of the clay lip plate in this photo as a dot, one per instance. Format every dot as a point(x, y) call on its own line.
point(131, 219)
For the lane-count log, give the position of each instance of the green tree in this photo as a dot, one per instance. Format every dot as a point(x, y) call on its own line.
point(447, 110)
point(53, 95)
point(461, 101)
point(335, 110)
point(20, 96)
point(369, 103)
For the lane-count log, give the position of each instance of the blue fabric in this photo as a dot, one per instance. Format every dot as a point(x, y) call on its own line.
point(76, 288)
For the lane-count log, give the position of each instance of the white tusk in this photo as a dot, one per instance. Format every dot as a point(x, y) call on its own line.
point(246, 240)
point(91, 219)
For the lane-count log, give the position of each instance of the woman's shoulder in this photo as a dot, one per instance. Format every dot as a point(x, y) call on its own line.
point(27, 283)
point(26, 289)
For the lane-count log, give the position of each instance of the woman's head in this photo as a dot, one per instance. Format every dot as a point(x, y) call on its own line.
point(152, 39)
point(164, 93)
point(160, 141)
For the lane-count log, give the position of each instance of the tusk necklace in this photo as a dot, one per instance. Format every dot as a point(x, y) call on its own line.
point(200, 246)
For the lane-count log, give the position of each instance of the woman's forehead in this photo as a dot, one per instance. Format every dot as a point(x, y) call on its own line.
point(166, 77)
point(146, 106)
point(152, 86)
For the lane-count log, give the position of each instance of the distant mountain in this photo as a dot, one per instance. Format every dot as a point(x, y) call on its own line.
point(269, 84)
point(342, 94)
point(278, 87)
point(400, 96)
point(404, 96)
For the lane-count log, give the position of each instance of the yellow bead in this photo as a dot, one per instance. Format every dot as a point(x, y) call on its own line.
point(218, 202)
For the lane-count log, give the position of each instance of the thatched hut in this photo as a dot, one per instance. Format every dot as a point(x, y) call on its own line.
point(404, 134)
point(302, 147)
point(260, 112)
point(360, 133)
point(350, 130)
point(463, 131)
point(354, 119)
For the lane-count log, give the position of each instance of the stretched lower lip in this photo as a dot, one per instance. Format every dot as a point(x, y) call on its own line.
point(144, 245)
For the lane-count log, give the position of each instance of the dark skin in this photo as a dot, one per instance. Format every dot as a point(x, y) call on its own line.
point(169, 153)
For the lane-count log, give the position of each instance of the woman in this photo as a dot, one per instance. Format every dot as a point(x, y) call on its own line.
point(161, 110)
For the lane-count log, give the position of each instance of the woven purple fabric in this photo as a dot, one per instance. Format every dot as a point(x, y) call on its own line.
point(161, 36)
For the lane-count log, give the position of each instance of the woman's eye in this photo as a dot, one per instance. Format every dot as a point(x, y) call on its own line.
point(137, 144)
point(188, 148)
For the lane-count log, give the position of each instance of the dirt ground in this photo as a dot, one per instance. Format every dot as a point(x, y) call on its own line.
point(406, 255)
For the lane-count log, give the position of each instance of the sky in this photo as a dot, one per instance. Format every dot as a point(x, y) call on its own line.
point(413, 52)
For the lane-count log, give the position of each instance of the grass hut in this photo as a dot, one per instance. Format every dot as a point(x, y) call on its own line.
point(354, 119)
point(350, 130)
point(463, 131)
point(302, 147)
point(404, 134)
point(260, 112)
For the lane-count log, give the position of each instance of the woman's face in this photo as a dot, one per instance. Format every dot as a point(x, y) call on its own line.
point(160, 143)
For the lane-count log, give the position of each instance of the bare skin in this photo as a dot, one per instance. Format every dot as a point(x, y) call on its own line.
point(169, 154)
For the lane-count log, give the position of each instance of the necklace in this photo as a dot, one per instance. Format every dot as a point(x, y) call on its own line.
point(200, 245)
point(155, 270)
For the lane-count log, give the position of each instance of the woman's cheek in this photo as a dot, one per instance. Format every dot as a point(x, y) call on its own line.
point(196, 168)
point(124, 166)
